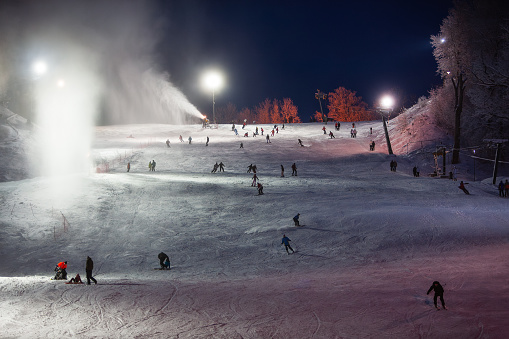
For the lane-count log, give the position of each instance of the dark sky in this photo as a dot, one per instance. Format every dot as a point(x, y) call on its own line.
point(278, 49)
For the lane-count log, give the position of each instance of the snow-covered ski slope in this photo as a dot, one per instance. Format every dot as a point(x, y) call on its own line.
point(373, 243)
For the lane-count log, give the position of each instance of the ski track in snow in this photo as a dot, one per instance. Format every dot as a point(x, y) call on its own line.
point(372, 244)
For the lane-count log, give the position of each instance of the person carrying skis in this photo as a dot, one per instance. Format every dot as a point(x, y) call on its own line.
point(462, 187)
point(164, 260)
point(61, 271)
point(296, 219)
point(286, 241)
point(294, 170)
point(439, 293)
point(89, 266)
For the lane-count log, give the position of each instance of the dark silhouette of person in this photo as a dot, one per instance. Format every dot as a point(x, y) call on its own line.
point(89, 266)
point(286, 241)
point(439, 293)
point(164, 260)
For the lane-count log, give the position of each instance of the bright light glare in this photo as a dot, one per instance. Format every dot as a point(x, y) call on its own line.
point(442, 40)
point(39, 67)
point(387, 102)
point(213, 80)
point(60, 83)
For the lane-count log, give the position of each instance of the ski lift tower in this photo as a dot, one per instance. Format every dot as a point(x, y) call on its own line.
point(498, 143)
point(385, 110)
point(321, 96)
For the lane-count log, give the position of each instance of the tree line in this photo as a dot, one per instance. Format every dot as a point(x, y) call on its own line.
point(342, 104)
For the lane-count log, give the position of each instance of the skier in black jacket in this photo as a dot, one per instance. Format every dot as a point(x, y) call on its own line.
point(439, 292)
point(164, 260)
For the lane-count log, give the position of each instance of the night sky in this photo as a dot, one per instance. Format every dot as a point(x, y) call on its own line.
point(278, 49)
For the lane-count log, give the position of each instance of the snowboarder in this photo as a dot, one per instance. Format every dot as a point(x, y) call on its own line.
point(286, 241)
point(296, 219)
point(207, 143)
point(168, 142)
point(294, 169)
point(260, 189)
point(89, 266)
point(76, 279)
point(164, 260)
point(190, 139)
point(153, 165)
point(439, 293)
point(221, 167)
point(282, 171)
point(300, 143)
point(462, 187)
point(61, 271)
point(128, 166)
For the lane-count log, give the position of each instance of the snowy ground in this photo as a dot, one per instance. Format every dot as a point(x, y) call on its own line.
point(372, 244)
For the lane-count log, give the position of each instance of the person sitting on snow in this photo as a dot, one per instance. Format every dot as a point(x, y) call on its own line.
point(61, 272)
point(76, 279)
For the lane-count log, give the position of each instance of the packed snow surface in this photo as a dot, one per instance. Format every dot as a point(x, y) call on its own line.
point(371, 244)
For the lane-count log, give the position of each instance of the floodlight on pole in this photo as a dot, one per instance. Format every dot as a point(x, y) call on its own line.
point(213, 80)
point(386, 105)
point(39, 67)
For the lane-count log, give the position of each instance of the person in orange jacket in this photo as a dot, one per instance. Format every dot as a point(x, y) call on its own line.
point(61, 272)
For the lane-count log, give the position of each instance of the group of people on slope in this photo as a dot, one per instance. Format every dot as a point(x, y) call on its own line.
point(216, 166)
point(61, 272)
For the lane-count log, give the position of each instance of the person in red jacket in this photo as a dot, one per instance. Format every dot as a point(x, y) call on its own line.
point(61, 272)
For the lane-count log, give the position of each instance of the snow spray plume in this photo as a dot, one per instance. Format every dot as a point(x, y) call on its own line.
point(100, 54)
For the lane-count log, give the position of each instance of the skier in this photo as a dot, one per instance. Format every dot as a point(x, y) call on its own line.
point(439, 293)
point(241, 145)
point(454, 173)
point(61, 272)
point(300, 143)
point(249, 168)
point(294, 169)
point(207, 143)
point(164, 260)
point(261, 129)
point(168, 142)
point(214, 170)
point(462, 187)
point(153, 165)
point(89, 266)
point(286, 241)
point(255, 178)
point(324, 130)
point(268, 139)
point(331, 135)
point(506, 188)
point(296, 219)
point(190, 139)
point(282, 171)
point(128, 166)
point(221, 167)
point(180, 138)
point(260, 189)
point(150, 166)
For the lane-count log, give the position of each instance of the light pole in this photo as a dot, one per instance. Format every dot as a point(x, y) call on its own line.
point(213, 80)
point(386, 104)
point(321, 96)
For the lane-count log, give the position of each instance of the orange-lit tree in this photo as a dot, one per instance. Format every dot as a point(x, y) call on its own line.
point(344, 105)
point(289, 111)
